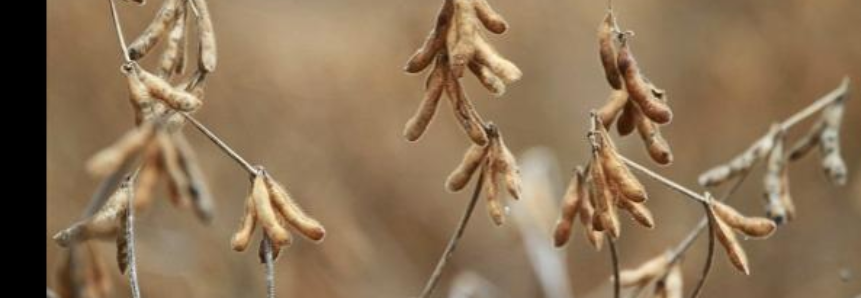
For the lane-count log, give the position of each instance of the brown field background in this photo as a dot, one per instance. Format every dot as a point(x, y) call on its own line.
point(314, 91)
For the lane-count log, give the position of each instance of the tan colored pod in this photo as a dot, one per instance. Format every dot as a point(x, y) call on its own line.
point(645, 273)
point(487, 78)
point(104, 223)
point(774, 184)
point(671, 285)
point(434, 42)
point(206, 34)
point(571, 205)
point(605, 218)
point(628, 119)
point(490, 18)
point(750, 226)
point(638, 211)
point(656, 145)
point(486, 55)
point(607, 51)
point(174, 97)
point(465, 113)
point(164, 19)
point(265, 213)
point(730, 244)
point(172, 61)
point(434, 87)
point(615, 171)
point(292, 213)
point(179, 185)
point(462, 36)
point(639, 89)
point(491, 190)
point(507, 167)
point(242, 237)
point(742, 162)
point(829, 144)
point(201, 198)
point(143, 103)
point(473, 158)
point(616, 101)
point(110, 159)
point(595, 237)
point(147, 180)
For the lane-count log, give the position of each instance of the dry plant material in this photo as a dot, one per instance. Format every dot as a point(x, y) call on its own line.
point(198, 191)
point(607, 50)
point(206, 35)
point(617, 173)
point(751, 226)
point(778, 203)
point(83, 274)
point(274, 209)
point(105, 223)
point(645, 273)
point(671, 285)
point(172, 61)
point(178, 99)
point(587, 213)
point(741, 163)
point(164, 20)
point(571, 205)
point(461, 175)
point(129, 146)
point(825, 135)
point(639, 88)
point(730, 243)
point(616, 101)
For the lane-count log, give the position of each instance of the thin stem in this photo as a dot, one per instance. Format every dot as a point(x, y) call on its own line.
point(130, 237)
point(119, 30)
point(221, 144)
point(614, 256)
point(666, 181)
point(270, 267)
point(452, 243)
point(711, 251)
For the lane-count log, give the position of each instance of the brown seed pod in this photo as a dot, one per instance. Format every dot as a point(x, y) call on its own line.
point(201, 199)
point(605, 218)
point(570, 207)
point(103, 224)
point(491, 20)
point(617, 173)
point(741, 163)
point(487, 56)
point(434, 86)
point(208, 55)
point(465, 113)
point(174, 97)
point(829, 144)
point(638, 211)
point(639, 89)
point(506, 165)
point(595, 237)
point(774, 184)
point(487, 78)
point(750, 226)
point(656, 145)
point(127, 147)
point(474, 157)
point(172, 61)
point(178, 183)
point(164, 19)
point(730, 243)
point(292, 214)
point(614, 105)
point(645, 273)
point(265, 213)
point(460, 40)
point(147, 179)
point(242, 237)
point(628, 119)
point(82, 273)
point(607, 51)
point(434, 42)
point(491, 189)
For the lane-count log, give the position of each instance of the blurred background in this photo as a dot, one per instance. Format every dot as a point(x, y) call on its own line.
point(314, 91)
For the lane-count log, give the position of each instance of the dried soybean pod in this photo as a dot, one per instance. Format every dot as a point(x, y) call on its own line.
point(490, 18)
point(644, 273)
point(750, 226)
point(128, 146)
point(265, 214)
point(785, 197)
point(487, 78)
point(616, 172)
point(178, 183)
point(206, 34)
point(486, 55)
point(142, 101)
point(829, 143)
point(730, 243)
point(464, 111)
point(471, 161)
point(607, 51)
point(434, 86)
point(494, 207)
point(164, 19)
point(656, 145)
point(147, 179)
point(596, 238)
point(773, 184)
point(172, 60)
point(462, 37)
point(628, 119)
point(639, 89)
point(434, 42)
point(638, 211)
point(507, 167)
point(570, 207)
point(242, 237)
point(201, 198)
point(104, 223)
point(614, 105)
point(82, 271)
point(290, 211)
point(606, 218)
point(174, 97)
point(671, 285)
point(741, 163)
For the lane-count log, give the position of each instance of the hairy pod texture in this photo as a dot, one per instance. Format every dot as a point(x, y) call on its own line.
point(607, 51)
point(640, 89)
